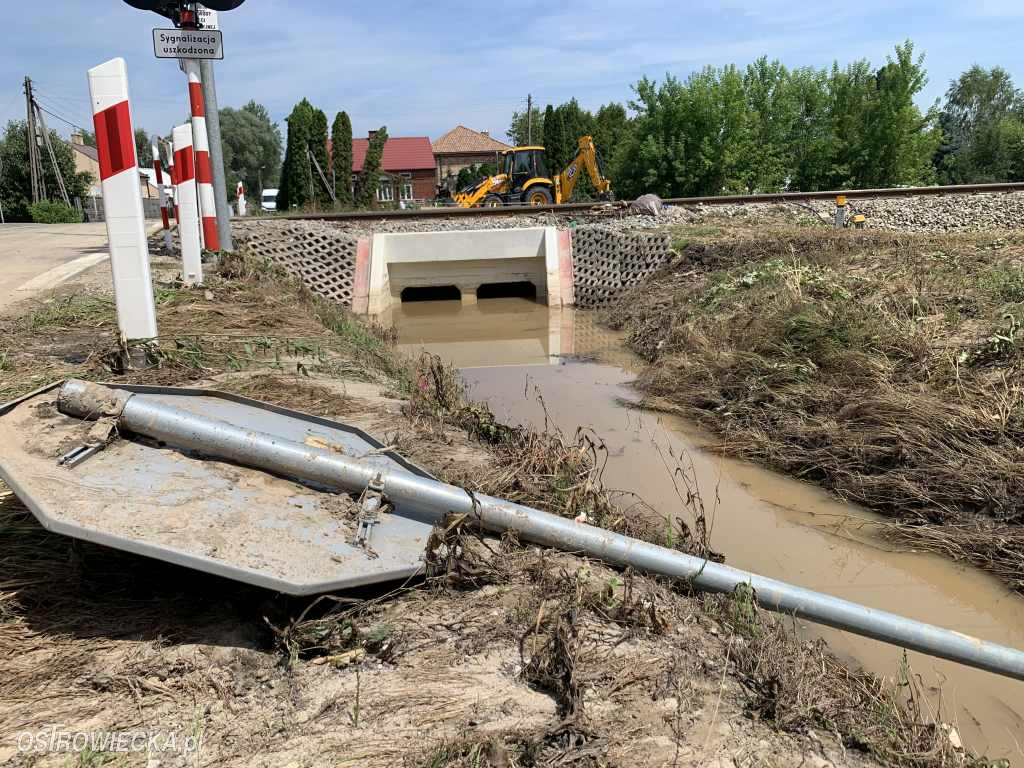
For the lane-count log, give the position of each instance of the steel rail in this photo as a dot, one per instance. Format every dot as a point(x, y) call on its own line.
point(571, 208)
point(432, 500)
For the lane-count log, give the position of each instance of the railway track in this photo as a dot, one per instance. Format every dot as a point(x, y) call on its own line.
point(778, 197)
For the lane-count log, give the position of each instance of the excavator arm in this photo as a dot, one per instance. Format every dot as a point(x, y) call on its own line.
point(473, 196)
point(586, 158)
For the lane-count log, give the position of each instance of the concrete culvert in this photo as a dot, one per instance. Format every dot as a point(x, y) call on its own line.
point(431, 293)
point(523, 289)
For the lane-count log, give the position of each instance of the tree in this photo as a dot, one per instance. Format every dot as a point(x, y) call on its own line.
point(143, 148)
point(296, 180)
point(519, 132)
point(766, 128)
point(899, 141)
point(252, 148)
point(611, 124)
point(773, 104)
point(341, 142)
point(810, 136)
point(15, 180)
point(554, 140)
point(474, 174)
point(982, 115)
point(318, 146)
point(369, 176)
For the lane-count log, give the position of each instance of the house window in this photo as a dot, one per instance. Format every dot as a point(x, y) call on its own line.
point(385, 193)
point(407, 186)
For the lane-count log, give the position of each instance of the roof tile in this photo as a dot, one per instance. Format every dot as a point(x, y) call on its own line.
point(410, 153)
point(463, 140)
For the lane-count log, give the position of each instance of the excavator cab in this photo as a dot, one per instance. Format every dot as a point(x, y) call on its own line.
point(522, 165)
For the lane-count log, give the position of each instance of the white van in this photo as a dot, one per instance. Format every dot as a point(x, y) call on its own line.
point(269, 200)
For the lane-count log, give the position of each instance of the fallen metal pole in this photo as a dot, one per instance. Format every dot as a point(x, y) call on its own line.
point(433, 500)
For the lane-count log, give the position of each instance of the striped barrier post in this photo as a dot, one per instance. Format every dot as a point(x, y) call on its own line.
point(173, 207)
point(240, 192)
point(188, 206)
point(122, 200)
point(164, 215)
point(201, 144)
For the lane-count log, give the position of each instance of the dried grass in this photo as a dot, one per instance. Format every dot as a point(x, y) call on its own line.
point(886, 367)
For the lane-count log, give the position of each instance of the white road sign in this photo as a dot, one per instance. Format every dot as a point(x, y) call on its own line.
point(188, 44)
point(207, 19)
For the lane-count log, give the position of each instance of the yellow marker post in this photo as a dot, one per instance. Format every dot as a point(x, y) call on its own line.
point(840, 220)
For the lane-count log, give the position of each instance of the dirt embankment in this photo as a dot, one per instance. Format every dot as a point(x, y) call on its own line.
point(505, 655)
point(888, 367)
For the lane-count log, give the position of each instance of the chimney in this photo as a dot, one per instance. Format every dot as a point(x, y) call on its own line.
point(371, 134)
point(486, 133)
point(77, 138)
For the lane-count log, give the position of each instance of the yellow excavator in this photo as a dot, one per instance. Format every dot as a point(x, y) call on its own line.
point(524, 179)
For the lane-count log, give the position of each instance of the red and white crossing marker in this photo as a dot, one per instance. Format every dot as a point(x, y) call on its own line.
point(164, 215)
point(201, 143)
point(173, 206)
point(122, 200)
point(188, 208)
point(240, 193)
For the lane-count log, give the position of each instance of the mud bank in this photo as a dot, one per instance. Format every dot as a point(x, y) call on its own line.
point(504, 655)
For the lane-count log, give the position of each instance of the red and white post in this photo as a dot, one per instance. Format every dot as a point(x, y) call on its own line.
point(122, 200)
point(201, 143)
point(164, 215)
point(173, 205)
point(240, 194)
point(188, 206)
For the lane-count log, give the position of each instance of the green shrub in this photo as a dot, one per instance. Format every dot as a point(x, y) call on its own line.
point(50, 212)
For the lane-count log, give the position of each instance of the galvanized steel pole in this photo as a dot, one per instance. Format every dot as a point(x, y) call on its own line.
point(220, 192)
point(432, 500)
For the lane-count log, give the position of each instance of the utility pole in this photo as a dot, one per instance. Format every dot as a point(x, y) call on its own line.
point(53, 157)
point(33, 148)
point(529, 118)
point(220, 193)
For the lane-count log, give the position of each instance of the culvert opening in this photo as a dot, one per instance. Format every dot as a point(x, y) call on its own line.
point(520, 290)
point(431, 293)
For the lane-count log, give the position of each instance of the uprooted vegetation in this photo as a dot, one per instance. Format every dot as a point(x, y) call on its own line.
point(888, 367)
point(505, 655)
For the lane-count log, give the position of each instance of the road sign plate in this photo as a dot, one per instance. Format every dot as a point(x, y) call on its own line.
point(188, 44)
point(207, 19)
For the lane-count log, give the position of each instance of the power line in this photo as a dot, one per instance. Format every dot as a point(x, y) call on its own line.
point(66, 104)
point(62, 119)
point(73, 116)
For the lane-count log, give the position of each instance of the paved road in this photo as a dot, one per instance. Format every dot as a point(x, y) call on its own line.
point(30, 251)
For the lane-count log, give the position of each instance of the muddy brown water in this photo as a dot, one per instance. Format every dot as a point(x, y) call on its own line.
point(511, 350)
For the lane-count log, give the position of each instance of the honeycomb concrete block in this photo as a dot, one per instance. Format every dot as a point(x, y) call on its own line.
point(606, 262)
point(322, 257)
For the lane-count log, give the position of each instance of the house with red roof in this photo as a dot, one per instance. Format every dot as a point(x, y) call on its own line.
point(409, 158)
point(463, 147)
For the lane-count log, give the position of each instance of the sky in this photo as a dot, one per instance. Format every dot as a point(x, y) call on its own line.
point(422, 68)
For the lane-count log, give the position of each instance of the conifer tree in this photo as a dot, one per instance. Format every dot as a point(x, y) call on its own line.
point(341, 141)
point(296, 180)
point(318, 146)
point(370, 175)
